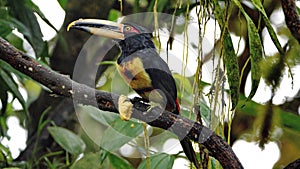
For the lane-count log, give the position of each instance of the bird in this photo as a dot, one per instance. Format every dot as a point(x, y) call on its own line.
point(141, 68)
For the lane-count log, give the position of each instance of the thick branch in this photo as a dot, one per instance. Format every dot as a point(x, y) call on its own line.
point(291, 17)
point(64, 86)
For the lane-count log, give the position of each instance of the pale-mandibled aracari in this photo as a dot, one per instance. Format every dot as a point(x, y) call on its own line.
point(141, 66)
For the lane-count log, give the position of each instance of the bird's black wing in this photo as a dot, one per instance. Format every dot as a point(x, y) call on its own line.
point(161, 77)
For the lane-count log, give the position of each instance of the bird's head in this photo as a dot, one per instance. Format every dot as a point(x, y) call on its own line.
point(130, 37)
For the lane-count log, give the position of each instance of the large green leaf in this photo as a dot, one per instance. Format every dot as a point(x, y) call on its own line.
point(232, 68)
point(5, 28)
point(67, 140)
point(19, 9)
point(161, 160)
point(119, 133)
point(230, 58)
point(20, 26)
point(122, 131)
point(256, 51)
point(37, 10)
point(104, 117)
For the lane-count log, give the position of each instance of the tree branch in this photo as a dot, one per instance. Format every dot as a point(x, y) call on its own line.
point(291, 17)
point(64, 86)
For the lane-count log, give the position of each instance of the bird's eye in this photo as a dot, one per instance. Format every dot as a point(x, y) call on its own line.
point(127, 28)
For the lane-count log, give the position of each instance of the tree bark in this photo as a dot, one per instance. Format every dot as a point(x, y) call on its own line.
point(291, 17)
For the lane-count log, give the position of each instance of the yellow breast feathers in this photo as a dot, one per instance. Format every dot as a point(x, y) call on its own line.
point(134, 74)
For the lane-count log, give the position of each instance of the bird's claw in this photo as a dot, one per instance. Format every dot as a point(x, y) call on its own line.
point(125, 108)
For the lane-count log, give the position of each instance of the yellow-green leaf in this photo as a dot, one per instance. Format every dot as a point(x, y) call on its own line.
point(260, 8)
point(256, 51)
point(230, 58)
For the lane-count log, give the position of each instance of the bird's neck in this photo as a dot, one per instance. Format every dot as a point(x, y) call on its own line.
point(133, 44)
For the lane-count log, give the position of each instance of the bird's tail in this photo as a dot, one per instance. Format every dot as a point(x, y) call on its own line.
point(189, 151)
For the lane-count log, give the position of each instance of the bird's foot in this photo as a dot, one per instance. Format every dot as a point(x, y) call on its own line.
point(125, 107)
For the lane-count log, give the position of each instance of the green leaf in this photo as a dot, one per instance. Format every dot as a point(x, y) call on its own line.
point(15, 41)
point(33, 90)
point(161, 160)
point(232, 68)
point(159, 137)
point(63, 3)
point(67, 140)
point(230, 58)
point(37, 10)
point(260, 8)
point(123, 131)
point(4, 11)
point(256, 51)
point(114, 15)
point(25, 14)
point(20, 26)
point(7, 67)
point(13, 87)
point(4, 127)
point(118, 163)
point(104, 117)
point(3, 160)
point(205, 112)
point(5, 28)
point(90, 161)
point(3, 96)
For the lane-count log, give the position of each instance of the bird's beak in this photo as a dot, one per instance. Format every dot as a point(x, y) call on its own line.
point(99, 27)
